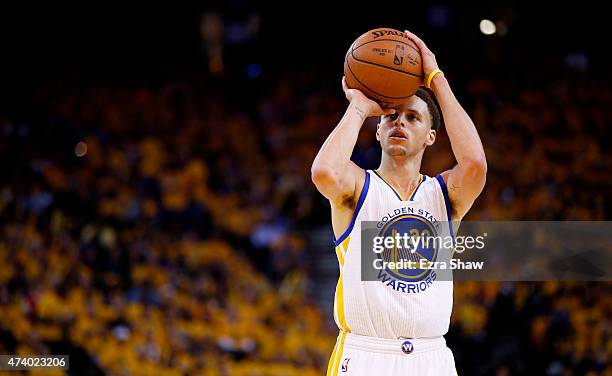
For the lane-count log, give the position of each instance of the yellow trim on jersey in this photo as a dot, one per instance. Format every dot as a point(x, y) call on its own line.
point(340, 305)
point(332, 358)
point(416, 187)
point(341, 250)
point(339, 298)
point(345, 243)
point(396, 191)
point(332, 368)
point(340, 255)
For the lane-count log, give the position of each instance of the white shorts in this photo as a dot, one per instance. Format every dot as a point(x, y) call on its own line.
point(356, 355)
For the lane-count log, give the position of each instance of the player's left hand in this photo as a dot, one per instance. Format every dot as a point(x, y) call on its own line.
point(429, 59)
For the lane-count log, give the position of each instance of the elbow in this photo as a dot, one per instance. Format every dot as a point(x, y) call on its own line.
point(476, 167)
point(327, 180)
point(320, 175)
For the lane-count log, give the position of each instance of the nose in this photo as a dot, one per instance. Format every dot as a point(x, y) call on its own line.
point(398, 121)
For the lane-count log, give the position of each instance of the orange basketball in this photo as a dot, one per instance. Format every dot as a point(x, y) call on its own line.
point(385, 65)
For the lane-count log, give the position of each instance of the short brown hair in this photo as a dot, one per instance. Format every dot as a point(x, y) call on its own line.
point(437, 121)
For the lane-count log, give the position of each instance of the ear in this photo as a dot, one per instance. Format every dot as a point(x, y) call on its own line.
point(431, 137)
point(378, 131)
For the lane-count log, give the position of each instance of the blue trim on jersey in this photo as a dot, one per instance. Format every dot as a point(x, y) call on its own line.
point(417, 188)
point(389, 185)
point(362, 196)
point(445, 193)
point(448, 205)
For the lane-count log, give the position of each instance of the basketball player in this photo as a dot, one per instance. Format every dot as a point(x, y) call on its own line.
point(396, 327)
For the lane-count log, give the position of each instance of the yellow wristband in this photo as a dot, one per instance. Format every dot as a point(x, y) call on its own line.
point(431, 76)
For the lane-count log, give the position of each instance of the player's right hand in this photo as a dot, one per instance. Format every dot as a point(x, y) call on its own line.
point(367, 105)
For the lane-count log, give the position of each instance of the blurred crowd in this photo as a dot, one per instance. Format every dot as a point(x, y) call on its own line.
point(172, 240)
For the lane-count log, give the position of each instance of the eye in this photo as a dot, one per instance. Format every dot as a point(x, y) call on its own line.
point(391, 117)
point(411, 117)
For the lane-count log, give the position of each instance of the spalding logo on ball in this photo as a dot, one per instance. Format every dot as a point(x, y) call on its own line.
point(385, 65)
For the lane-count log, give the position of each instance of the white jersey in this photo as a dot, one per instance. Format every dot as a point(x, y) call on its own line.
point(415, 307)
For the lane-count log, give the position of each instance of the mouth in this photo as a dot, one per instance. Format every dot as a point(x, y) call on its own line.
point(398, 135)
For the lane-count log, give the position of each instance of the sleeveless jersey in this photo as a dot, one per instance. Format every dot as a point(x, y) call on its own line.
point(410, 306)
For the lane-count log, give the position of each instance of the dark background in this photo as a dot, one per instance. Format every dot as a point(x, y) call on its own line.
point(130, 44)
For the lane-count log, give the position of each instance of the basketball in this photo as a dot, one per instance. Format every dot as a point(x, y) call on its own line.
point(385, 65)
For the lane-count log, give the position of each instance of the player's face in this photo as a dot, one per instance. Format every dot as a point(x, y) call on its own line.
point(408, 131)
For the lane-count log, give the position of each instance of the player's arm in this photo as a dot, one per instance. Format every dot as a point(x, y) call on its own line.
point(333, 172)
point(466, 180)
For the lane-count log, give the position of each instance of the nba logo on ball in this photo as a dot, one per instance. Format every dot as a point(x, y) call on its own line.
point(398, 58)
point(345, 363)
point(407, 347)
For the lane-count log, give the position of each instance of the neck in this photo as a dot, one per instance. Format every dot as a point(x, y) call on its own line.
point(401, 170)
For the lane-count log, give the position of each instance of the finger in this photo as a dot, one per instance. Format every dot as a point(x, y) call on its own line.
point(383, 112)
point(420, 44)
point(345, 88)
point(413, 37)
point(418, 41)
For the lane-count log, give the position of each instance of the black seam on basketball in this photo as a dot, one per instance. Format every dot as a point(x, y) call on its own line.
point(388, 40)
point(362, 84)
point(386, 67)
point(379, 65)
